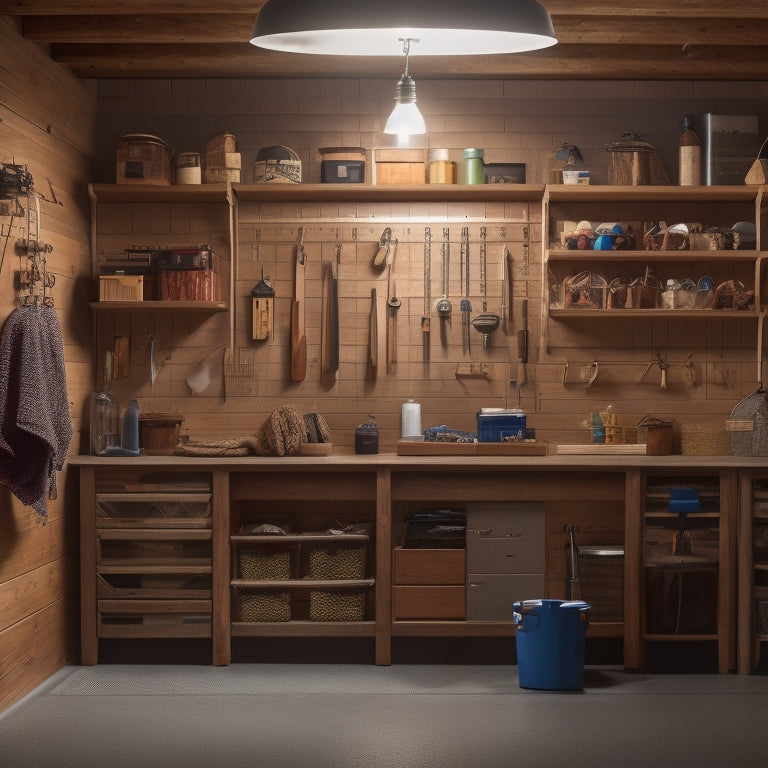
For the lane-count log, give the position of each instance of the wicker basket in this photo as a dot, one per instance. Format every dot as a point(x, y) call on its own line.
point(265, 605)
point(265, 565)
point(703, 439)
point(337, 604)
point(762, 617)
point(336, 562)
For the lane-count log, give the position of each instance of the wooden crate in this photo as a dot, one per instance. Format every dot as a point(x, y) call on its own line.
point(400, 166)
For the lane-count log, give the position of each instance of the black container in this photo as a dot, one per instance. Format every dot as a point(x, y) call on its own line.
point(367, 437)
point(342, 171)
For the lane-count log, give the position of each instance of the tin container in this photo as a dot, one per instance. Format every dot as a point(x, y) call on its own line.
point(143, 159)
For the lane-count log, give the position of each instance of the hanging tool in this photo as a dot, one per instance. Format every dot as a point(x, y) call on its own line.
point(506, 289)
point(465, 306)
point(688, 371)
point(373, 335)
point(393, 304)
point(329, 351)
point(427, 297)
point(262, 308)
point(663, 368)
point(382, 252)
point(298, 330)
point(522, 348)
point(443, 305)
point(486, 323)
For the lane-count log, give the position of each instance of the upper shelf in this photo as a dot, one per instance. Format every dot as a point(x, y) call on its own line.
point(277, 193)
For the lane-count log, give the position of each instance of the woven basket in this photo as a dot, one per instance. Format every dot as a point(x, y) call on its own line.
point(337, 605)
point(762, 617)
point(265, 605)
point(264, 565)
point(336, 562)
point(702, 439)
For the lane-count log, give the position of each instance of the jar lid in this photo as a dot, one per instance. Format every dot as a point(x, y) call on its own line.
point(472, 152)
point(440, 154)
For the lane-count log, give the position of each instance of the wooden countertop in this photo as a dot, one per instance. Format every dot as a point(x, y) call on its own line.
point(417, 463)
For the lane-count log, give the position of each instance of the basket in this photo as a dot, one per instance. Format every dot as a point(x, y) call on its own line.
point(762, 617)
point(265, 605)
point(748, 425)
point(586, 290)
point(701, 439)
point(263, 565)
point(336, 562)
point(733, 294)
point(337, 605)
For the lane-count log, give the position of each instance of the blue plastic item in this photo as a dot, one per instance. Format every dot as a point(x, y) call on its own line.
point(550, 642)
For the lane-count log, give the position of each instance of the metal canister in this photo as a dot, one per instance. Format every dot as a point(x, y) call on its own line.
point(472, 170)
point(367, 436)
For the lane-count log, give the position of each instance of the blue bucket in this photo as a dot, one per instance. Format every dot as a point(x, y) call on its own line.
point(550, 642)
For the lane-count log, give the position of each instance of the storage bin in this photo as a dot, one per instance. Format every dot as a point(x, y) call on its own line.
point(342, 165)
point(265, 605)
point(121, 288)
point(337, 604)
point(335, 562)
point(264, 565)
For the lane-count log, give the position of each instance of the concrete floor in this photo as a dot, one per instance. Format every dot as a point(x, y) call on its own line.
point(352, 715)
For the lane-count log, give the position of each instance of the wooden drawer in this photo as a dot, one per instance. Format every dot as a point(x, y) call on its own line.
point(490, 597)
point(154, 618)
point(428, 602)
point(505, 537)
point(428, 566)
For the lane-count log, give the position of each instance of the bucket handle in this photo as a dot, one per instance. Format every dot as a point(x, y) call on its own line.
point(532, 621)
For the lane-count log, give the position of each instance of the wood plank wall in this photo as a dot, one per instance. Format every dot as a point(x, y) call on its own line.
point(48, 123)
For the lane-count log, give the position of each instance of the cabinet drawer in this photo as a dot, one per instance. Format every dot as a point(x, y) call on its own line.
point(505, 538)
point(428, 566)
point(429, 602)
point(154, 618)
point(144, 583)
point(142, 548)
point(153, 510)
point(490, 597)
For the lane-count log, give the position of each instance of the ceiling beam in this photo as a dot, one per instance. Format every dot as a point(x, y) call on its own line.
point(690, 62)
point(237, 28)
point(626, 10)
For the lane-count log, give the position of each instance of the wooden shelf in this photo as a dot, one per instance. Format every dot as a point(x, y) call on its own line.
point(203, 307)
point(303, 629)
point(649, 194)
point(366, 193)
point(303, 583)
point(292, 538)
point(159, 193)
point(654, 256)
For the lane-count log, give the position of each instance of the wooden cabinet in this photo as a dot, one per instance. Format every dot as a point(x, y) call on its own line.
point(753, 568)
point(147, 554)
point(505, 558)
point(688, 560)
point(566, 206)
point(428, 584)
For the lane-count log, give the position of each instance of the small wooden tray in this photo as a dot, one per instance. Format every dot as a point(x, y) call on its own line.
point(597, 448)
point(419, 448)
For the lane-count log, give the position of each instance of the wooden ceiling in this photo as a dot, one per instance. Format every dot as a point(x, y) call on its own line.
point(598, 39)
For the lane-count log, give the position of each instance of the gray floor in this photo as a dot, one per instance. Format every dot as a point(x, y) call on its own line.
point(334, 716)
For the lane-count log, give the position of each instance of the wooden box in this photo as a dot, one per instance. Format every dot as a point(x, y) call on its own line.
point(428, 566)
point(400, 166)
point(429, 602)
point(121, 288)
point(188, 285)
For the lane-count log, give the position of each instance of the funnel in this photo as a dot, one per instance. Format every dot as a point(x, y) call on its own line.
point(486, 324)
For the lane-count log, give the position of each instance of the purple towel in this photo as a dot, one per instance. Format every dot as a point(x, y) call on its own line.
point(35, 423)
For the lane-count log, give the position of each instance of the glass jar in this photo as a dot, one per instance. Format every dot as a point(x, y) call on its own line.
point(105, 423)
point(441, 169)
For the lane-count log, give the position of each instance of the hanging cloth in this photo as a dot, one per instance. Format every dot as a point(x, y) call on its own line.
point(35, 422)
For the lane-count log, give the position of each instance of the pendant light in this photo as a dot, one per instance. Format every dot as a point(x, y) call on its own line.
point(405, 120)
point(374, 28)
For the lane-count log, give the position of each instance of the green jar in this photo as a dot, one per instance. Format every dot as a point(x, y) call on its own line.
point(472, 167)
